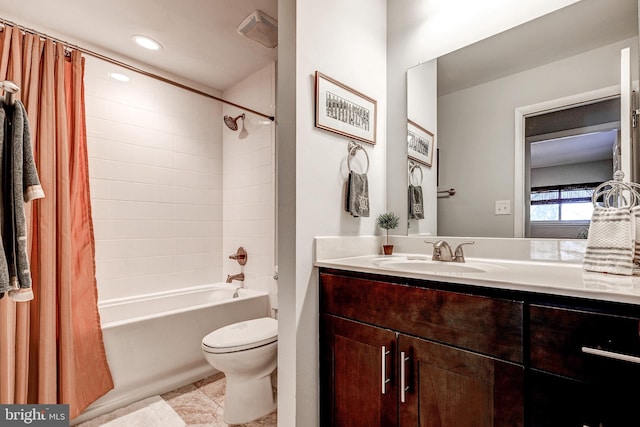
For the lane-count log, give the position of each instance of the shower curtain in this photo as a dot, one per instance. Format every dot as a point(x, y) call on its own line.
point(51, 348)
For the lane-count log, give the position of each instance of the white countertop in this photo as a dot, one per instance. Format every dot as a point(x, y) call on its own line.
point(556, 278)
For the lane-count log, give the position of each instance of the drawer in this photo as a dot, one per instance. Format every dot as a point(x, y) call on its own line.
point(583, 345)
point(481, 324)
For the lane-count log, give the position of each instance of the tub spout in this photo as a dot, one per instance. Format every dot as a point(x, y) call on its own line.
point(232, 277)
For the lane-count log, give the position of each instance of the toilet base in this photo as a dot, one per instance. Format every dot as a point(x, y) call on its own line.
point(246, 401)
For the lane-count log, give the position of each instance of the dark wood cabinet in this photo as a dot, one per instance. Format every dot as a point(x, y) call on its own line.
point(393, 354)
point(358, 363)
point(585, 367)
point(447, 386)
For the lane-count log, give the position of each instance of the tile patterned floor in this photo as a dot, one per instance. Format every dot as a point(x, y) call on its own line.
point(200, 404)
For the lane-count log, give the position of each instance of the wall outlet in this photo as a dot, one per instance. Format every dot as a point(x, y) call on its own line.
point(503, 207)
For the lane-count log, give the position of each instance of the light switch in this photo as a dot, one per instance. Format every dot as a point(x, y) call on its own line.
point(503, 207)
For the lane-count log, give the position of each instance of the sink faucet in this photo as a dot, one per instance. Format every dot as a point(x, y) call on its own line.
point(232, 277)
point(442, 251)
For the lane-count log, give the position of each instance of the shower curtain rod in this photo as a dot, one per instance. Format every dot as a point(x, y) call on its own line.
point(129, 67)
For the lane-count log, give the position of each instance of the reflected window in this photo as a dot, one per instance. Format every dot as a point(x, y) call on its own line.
point(562, 203)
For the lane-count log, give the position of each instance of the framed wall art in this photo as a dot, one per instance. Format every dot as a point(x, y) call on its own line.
point(420, 143)
point(345, 111)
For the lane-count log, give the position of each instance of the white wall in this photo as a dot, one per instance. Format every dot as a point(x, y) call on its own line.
point(483, 172)
point(419, 31)
point(155, 165)
point(577, 173)
point(346, 41)
point(249, 182)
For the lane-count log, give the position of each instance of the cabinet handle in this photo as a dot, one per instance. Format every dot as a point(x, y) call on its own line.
point(611, 354)
point(385, 380)
point(403, 377)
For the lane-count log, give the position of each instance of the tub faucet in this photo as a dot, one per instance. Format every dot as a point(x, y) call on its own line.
point(232, 277)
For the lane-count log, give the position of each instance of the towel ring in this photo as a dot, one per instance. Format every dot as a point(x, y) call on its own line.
point(413, 166)
point(614, 193)
point(353, 150)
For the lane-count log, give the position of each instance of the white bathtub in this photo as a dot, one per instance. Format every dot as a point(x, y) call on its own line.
point(153, 341)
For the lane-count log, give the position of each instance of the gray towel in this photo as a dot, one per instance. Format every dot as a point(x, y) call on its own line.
point(357, 195)
point(20, 185)
point(416, 208)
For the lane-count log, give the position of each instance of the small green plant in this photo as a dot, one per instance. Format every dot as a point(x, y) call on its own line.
point(388, 221)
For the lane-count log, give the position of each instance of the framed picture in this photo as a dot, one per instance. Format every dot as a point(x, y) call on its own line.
point(420, 143)
point(344, 111)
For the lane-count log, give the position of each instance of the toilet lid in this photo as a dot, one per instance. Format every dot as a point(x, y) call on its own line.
point(242, 336)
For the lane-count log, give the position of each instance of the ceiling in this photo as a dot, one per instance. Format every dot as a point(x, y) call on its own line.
point(580, 27)
point(582, 148)
point(199, 37)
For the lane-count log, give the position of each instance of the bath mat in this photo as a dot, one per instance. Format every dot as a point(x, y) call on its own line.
point(151, 412)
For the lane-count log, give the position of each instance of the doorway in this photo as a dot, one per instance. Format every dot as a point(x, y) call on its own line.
point(569, 151)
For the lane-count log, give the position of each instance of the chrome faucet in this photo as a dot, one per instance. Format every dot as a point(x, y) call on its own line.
point(442, 251)
point(232, 277)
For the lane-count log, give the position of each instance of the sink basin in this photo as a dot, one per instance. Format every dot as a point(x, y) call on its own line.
point(426, 265)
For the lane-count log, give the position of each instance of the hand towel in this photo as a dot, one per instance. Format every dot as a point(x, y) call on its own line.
point(635, 218)
point(416, 208)
point(357, 194)
point(611, 241)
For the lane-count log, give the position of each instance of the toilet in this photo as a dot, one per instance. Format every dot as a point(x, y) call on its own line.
point(246, 353)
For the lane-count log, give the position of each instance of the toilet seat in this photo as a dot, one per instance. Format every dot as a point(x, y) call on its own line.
point(241, 336)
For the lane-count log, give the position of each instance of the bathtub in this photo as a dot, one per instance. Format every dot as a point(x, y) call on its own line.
point(153, 341)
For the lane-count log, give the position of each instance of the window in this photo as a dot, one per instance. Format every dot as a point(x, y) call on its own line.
point(562, 202)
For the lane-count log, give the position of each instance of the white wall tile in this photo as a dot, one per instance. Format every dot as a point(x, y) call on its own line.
point(156, 227)
point(164, 182)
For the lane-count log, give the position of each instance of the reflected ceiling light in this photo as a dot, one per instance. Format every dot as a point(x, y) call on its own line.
point(146, 42)
point(119, 77)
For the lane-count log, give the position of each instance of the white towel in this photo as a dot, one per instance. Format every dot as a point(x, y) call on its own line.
point(611, 241)
point(635, 218)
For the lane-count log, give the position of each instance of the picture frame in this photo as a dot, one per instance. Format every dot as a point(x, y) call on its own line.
point(420, 143)
point(345, 111)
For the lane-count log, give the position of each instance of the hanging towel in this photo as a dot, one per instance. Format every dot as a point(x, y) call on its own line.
point(416, 208)
point(20, 184)
point(635, 218)
point(611, 241)
point(357, 194)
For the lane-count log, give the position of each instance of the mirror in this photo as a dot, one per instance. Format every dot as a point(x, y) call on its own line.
point(469, 99)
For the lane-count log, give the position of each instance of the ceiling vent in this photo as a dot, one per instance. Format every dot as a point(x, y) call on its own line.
point(261, 28)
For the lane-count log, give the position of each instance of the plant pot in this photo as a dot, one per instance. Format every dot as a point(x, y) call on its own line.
point(387, 249)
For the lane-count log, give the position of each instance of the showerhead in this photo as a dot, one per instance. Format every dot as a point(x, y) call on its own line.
point(232, 122)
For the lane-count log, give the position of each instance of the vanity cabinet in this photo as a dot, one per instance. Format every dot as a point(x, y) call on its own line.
point(585, 365)
point(400, 354)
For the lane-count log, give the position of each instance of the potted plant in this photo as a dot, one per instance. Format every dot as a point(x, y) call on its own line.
point(387, 221)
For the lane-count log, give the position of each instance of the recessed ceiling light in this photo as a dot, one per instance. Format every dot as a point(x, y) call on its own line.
point(147, 42)
point(119, 77)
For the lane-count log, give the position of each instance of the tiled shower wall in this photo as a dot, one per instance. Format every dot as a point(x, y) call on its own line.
point(155, 164)
point(158, 156)
point(249, 182)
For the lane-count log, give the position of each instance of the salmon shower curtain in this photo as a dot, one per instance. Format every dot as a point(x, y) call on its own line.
point(51, 348)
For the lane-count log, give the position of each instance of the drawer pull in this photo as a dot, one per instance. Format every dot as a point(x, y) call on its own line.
point(403, 377)
point(611, 354)
point(385, 380)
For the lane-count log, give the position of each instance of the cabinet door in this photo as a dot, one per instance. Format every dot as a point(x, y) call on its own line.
point(357, 374)
point(442, 386)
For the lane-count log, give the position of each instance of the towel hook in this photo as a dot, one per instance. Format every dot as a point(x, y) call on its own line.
point(413, 166)
point(353, 150)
